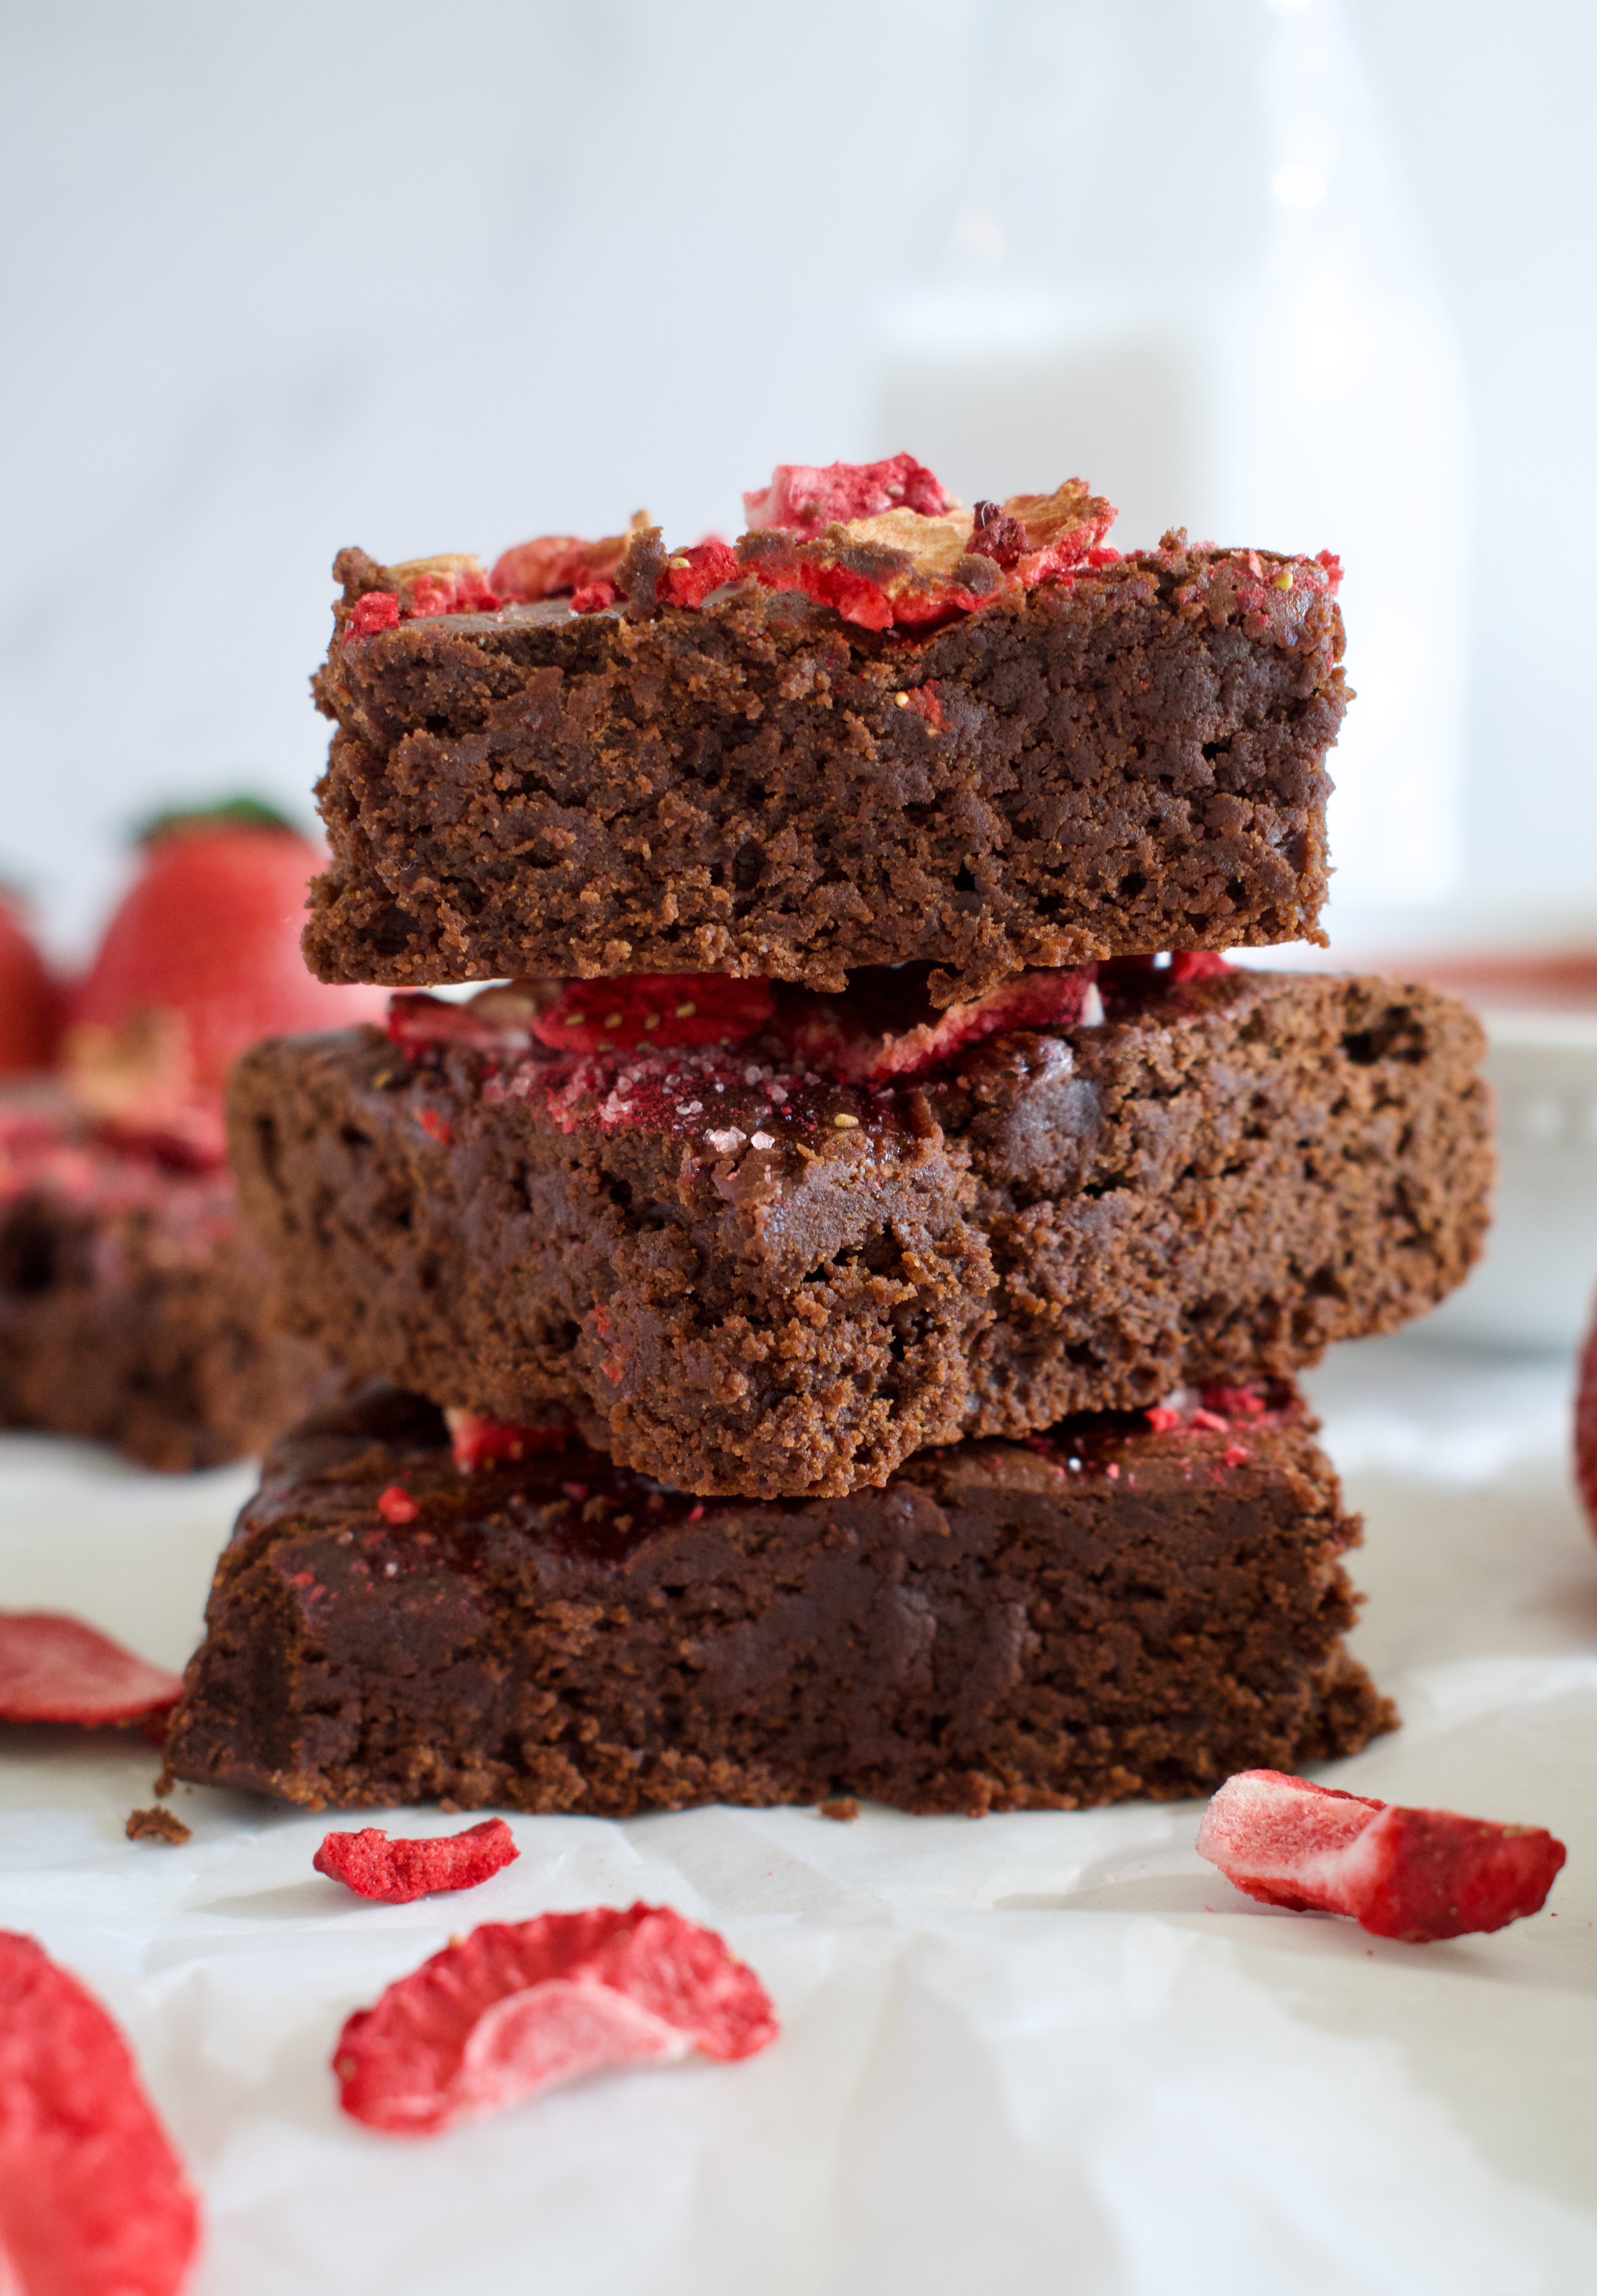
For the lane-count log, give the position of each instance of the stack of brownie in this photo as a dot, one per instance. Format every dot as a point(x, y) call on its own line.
point(826, 1327)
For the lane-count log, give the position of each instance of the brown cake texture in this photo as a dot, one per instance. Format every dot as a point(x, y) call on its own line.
point(1129, 757)
point(1105, 1612)
point(742, 1275)
point(133, 1310)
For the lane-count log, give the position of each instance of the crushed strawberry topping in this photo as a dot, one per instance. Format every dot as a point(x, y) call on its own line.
point(54, 1668)
point(518, 2007)
point(477, 1442)
point(93, 2198)
point(396, 1505)
point(690, 574)
point(556, 563)
point(1417, 1874)
point(807, 500)
point(397, 1872)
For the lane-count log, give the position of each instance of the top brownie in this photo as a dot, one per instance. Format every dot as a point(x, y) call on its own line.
point(904, 738)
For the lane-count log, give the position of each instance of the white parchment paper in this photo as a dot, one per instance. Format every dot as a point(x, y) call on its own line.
point(1043, 2053)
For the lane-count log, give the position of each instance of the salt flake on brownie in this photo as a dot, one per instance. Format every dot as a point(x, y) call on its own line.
point(1417, 1874)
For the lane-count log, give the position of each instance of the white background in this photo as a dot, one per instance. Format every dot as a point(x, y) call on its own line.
point(280, 279)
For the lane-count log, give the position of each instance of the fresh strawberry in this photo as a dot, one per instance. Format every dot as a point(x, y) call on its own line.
point(30, 1001)
point(660, 1010)
point(1417, 1874)
point(397, 1872)
point(887, 1025)
point(516, 2008)
point(94, 2200)
point(209, 934)
point(53, 1669)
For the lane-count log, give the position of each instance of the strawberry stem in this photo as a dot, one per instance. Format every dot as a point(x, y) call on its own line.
point(228, 813)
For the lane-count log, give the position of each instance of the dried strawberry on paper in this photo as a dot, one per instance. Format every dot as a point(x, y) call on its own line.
point(516, 2008)
point(94, 2200)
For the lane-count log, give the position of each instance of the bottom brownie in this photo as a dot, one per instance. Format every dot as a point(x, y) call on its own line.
point(133, 1310)
point(1136, 1604)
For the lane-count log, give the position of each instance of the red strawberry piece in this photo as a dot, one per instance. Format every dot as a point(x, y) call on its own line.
point(886, 1026)
point(1198, 964)
point(1162, 1419)
point(594, 597)
point(1417, 1874)
point(660, 1010)
point(452, 584)
point(1235, 1402)
point(690, 574)
point(516, 2008)
point(1585, 1429)
point(395, 1873)
point(56, 1669)
point(378, 609)
point(94, 2200)
point(30, 1001)
point(554, 563)
point(209, 933)
point(496, 1022)
point(397, 1504)
point(805, 499)
point(1060, 530)
point(479, 1442)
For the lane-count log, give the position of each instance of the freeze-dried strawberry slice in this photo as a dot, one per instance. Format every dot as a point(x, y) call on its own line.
point(94, 2200)
point(516, 2008)
point(1039, 535)
point(477, 1442)
point(1417, 1874)
point(497, 1020)
point(554, 563)
point(56, 1669)
point(805, 499)
point(657, 1009)
point(887, 1025)
point(395, 1873)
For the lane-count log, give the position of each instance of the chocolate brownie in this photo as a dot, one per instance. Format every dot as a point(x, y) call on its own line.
point(132, 1310)
point(1107, 1612)
point(742, 1275)
point(1128, 757)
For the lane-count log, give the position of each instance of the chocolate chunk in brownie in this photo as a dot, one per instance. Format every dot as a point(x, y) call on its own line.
point(1107, 1612)
point(743, 1276)
point(1128, 757)
point(132, 1310)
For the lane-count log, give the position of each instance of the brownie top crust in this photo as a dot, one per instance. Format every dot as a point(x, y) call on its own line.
point(1126, 756)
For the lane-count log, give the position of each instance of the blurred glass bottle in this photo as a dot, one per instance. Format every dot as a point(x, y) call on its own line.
point(1158, 244)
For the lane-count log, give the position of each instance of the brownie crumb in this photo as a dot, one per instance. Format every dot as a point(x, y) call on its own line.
point(158, 1825)
point(845, 1811)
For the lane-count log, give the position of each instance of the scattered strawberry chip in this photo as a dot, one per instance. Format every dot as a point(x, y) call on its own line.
point(886, 1026)
point(1416, 1874)
point(396, 1873)
point(93, 2201)
point(516, 2008)
point(396, 1505)
point(553, 564)
point(594, 597)
point(806, 500)
point(654, 1008)
point(56, 1669)
point(1198, 964)
point(477, 1442)
point(378, 610)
